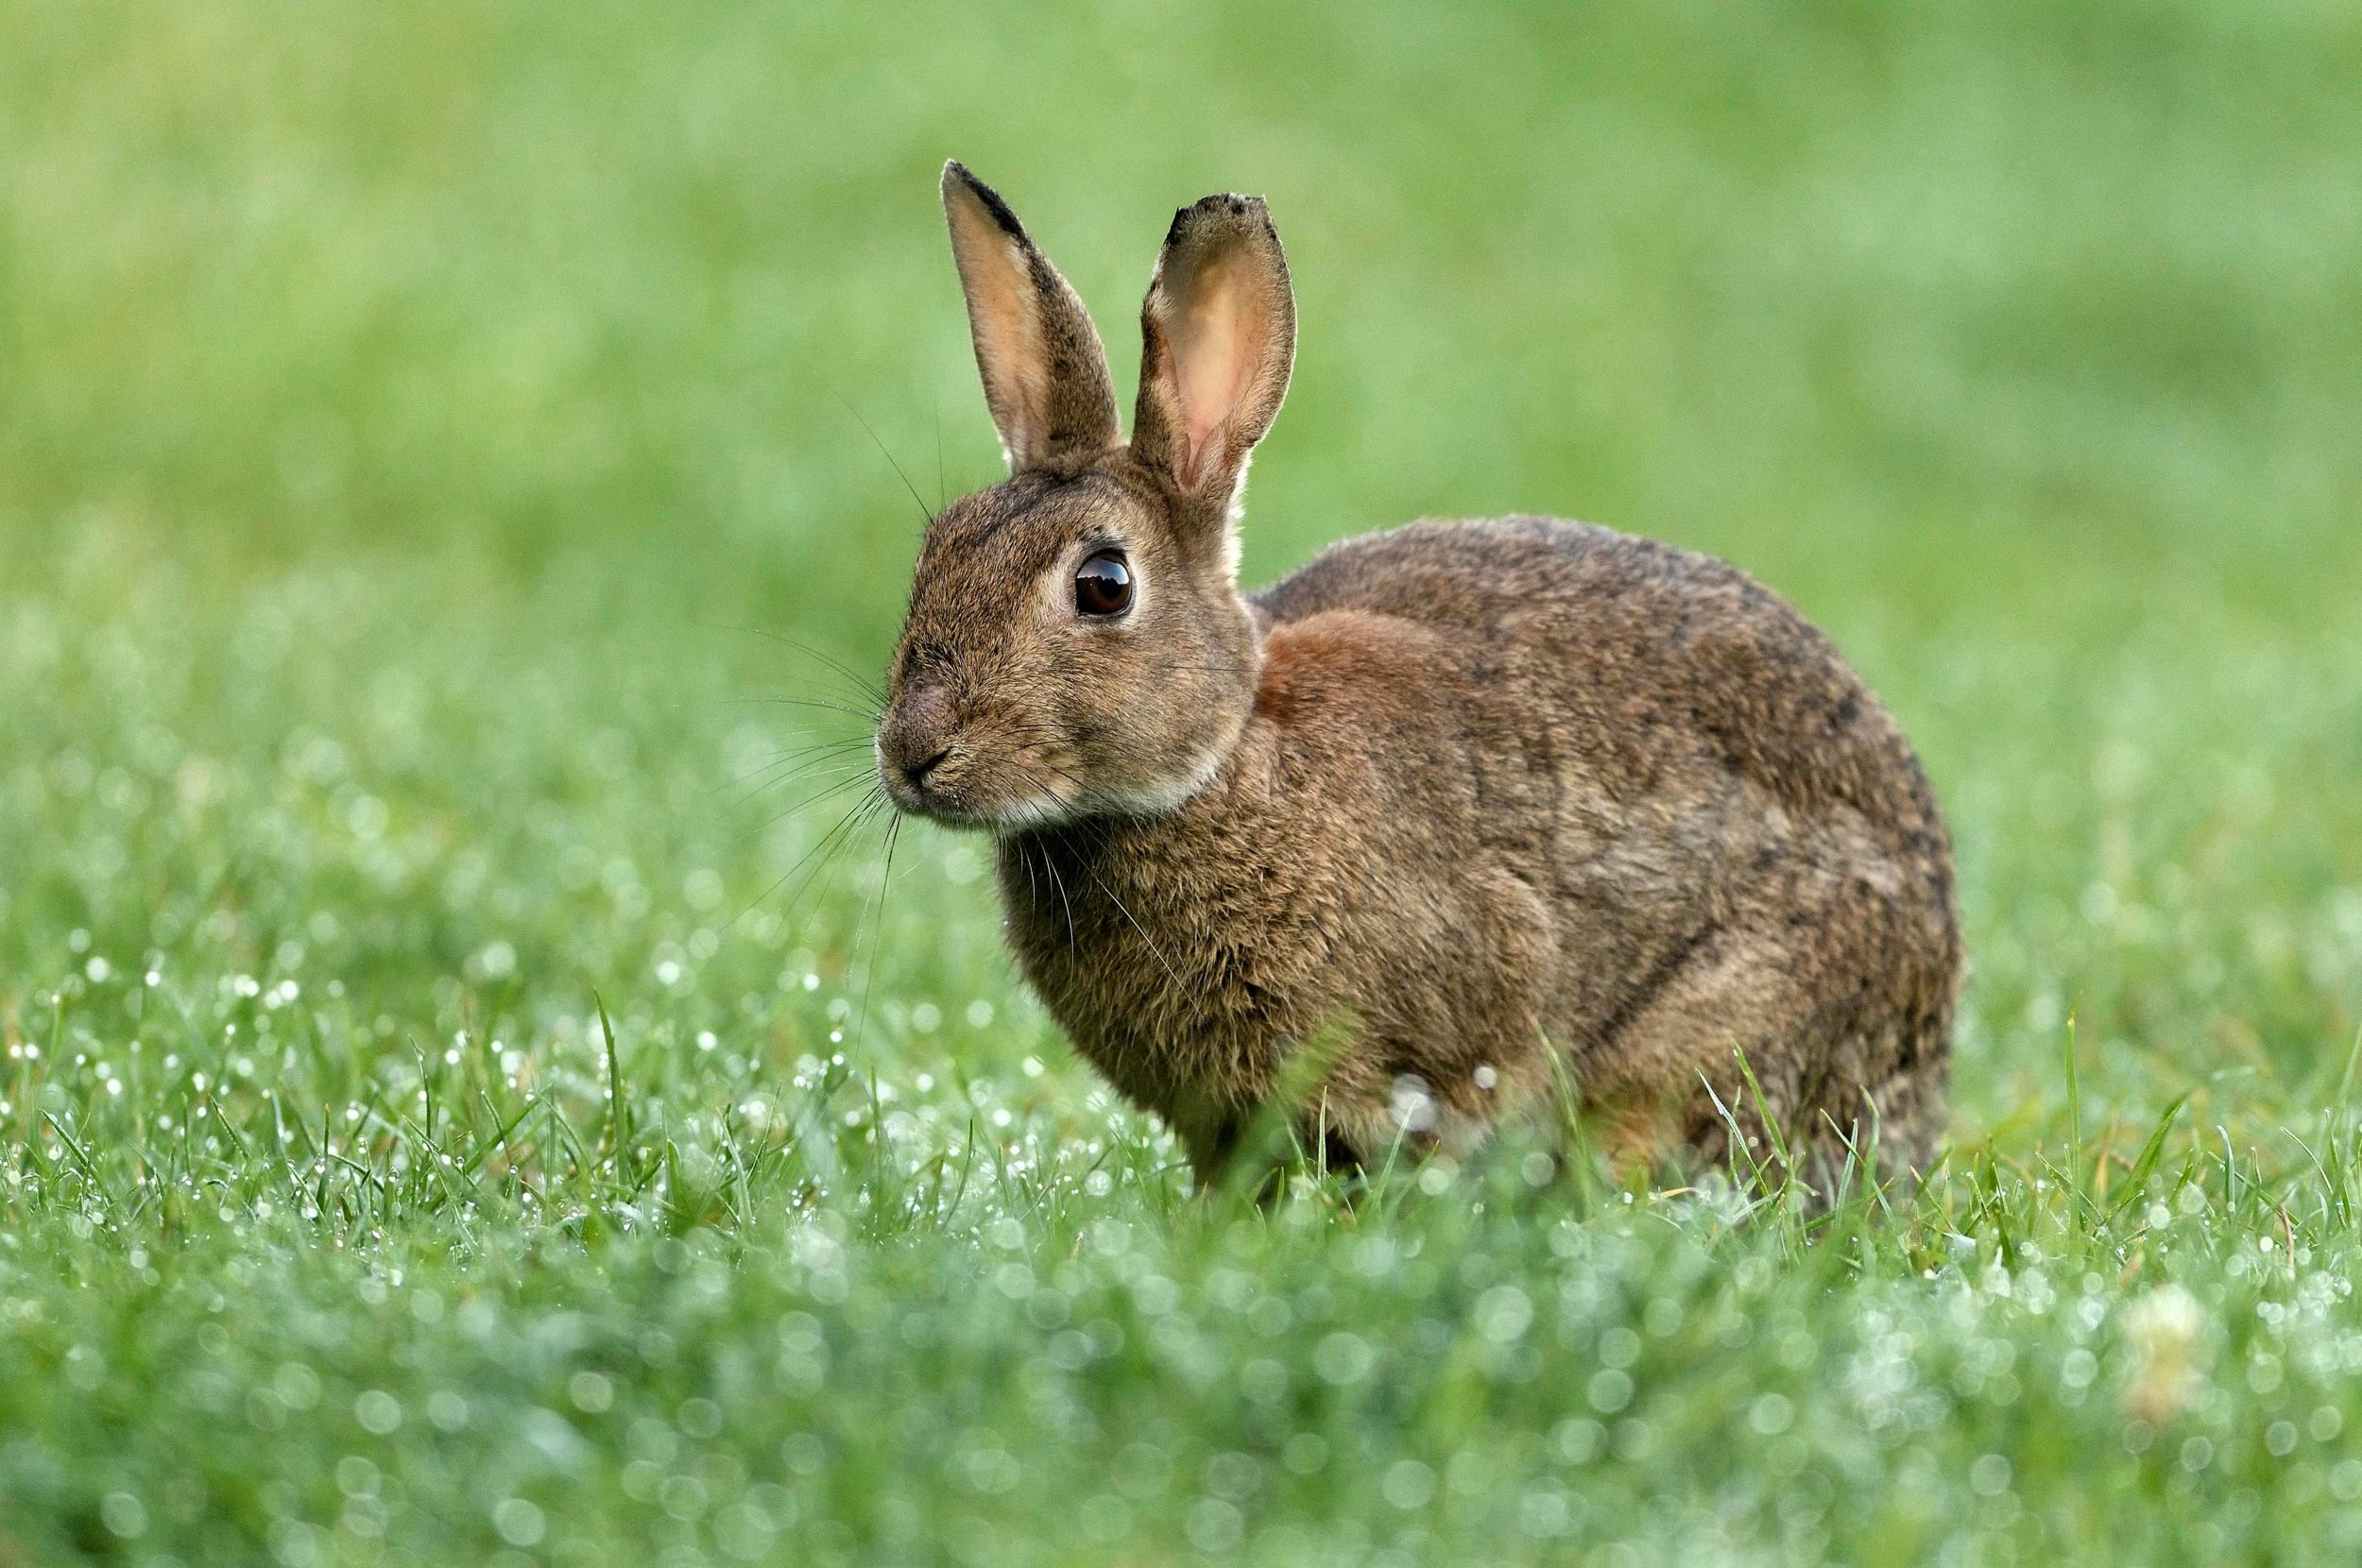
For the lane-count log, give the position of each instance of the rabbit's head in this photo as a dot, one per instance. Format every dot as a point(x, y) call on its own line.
point(1077, 644)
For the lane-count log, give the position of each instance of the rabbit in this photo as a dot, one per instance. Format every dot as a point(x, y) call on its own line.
point(1530, 806)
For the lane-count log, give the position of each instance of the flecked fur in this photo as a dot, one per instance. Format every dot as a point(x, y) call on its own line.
point(1495, 792)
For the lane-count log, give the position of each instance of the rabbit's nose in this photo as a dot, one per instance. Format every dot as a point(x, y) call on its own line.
point(916, 772)
point(918, 733)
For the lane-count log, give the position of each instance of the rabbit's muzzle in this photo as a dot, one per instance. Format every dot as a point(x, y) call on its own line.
point(938, 762)
point(914, 741)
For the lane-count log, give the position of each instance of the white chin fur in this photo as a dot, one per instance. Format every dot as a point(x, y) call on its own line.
point(1014, 816)
point(1156, 800)
point(1047, 810)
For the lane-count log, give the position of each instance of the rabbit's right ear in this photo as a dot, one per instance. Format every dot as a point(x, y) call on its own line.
point(1218, 338)
point(1044, 374)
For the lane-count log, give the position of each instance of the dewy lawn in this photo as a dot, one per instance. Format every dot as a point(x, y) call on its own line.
point(443, 560)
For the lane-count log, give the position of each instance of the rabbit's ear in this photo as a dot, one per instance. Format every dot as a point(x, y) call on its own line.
point(1218, 333)
point(1045, 375)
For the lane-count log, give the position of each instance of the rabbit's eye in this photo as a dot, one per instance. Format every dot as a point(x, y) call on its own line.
point(1102, 586)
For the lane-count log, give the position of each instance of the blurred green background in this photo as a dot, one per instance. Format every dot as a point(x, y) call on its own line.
point(469, 379)
point(437, 467)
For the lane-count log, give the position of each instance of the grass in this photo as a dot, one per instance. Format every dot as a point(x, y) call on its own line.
point(463, 1097)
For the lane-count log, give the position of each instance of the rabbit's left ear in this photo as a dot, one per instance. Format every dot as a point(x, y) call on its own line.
point(1219, 335)
point(1045, 375)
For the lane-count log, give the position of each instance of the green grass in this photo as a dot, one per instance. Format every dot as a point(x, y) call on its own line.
point(417, 429)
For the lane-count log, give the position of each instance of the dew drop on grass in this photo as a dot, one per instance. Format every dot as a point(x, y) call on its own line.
point(1503, 1313)
point(1342, 1358)
point(378, 1412)
point(518, 1522)
point(123, 1514)
point(2345, 1481)
point(356, 1476)
point(1409, 1484)
point(1305, 1454)
point(591, 1392)
point(1610, 1390)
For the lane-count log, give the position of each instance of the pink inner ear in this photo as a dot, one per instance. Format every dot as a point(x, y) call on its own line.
point(1214, 350)
point(1004, 313)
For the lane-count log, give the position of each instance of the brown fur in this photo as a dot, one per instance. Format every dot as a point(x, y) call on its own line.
point(1492, 791)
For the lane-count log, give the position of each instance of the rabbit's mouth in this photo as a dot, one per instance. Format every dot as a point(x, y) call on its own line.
point(998, 816)
point(947, 786)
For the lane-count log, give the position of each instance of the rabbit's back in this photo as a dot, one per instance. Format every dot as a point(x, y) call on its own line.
point(1640, 658)
point(1729, 837)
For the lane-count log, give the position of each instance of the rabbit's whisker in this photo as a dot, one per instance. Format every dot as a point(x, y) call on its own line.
point(833, 865)
point(1050, 864)
point(827, 847)
point(868, 689)
point(1170, 972)
point(877, 936)
point(815, 799)
point(866, 715)
point(925, 514)
point(842, 775)
point(799, 762)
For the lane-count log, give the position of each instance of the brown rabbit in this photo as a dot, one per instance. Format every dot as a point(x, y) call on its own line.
point(1486, 792)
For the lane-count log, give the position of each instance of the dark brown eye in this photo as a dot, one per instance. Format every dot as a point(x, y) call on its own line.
point(1102, 586)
